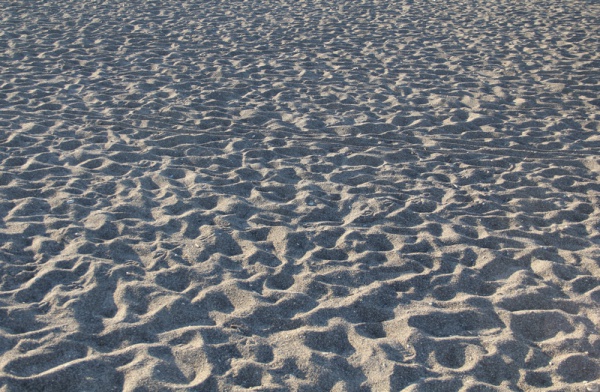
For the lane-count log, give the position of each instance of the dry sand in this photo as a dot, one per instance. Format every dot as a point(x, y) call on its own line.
point(299, 195)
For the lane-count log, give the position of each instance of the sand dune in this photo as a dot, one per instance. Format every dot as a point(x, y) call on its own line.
point(307, 196)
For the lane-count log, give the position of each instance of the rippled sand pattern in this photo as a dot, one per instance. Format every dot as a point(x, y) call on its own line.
point(299, 195)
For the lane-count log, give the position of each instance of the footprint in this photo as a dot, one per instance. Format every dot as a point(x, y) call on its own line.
point(333, 341)
point(177, 279)
point(50, 357)
point(584, 284)
point(540, 325)
point(578, 368)
point(371, 330)
point(538, 379)
point(330, 254)
point(248, 376)
point(450, 354)
point(442, 324)
point(279, 282)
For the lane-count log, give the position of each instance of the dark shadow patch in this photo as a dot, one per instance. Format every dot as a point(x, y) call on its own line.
point(540, 325)
point(443, 324)
point(334, 341)
point(331, 254)
point(405, 375)
point(538, 379)
point(280, 281)
point(175, 280)
point(578, 368)
point(264, 258)
point(370, 330)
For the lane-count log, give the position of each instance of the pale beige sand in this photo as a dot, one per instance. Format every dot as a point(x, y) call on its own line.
point(299, 195)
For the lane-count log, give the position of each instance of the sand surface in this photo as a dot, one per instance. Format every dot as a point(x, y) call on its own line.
point(299, 195)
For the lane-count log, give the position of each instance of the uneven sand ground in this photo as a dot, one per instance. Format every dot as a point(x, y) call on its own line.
point(299, 195)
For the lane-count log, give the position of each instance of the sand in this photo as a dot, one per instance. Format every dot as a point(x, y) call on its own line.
point(299, 195)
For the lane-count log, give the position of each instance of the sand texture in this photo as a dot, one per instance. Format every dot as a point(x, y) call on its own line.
point(299, 195)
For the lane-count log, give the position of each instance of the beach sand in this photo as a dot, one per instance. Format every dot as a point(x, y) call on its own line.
point(299, 195)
